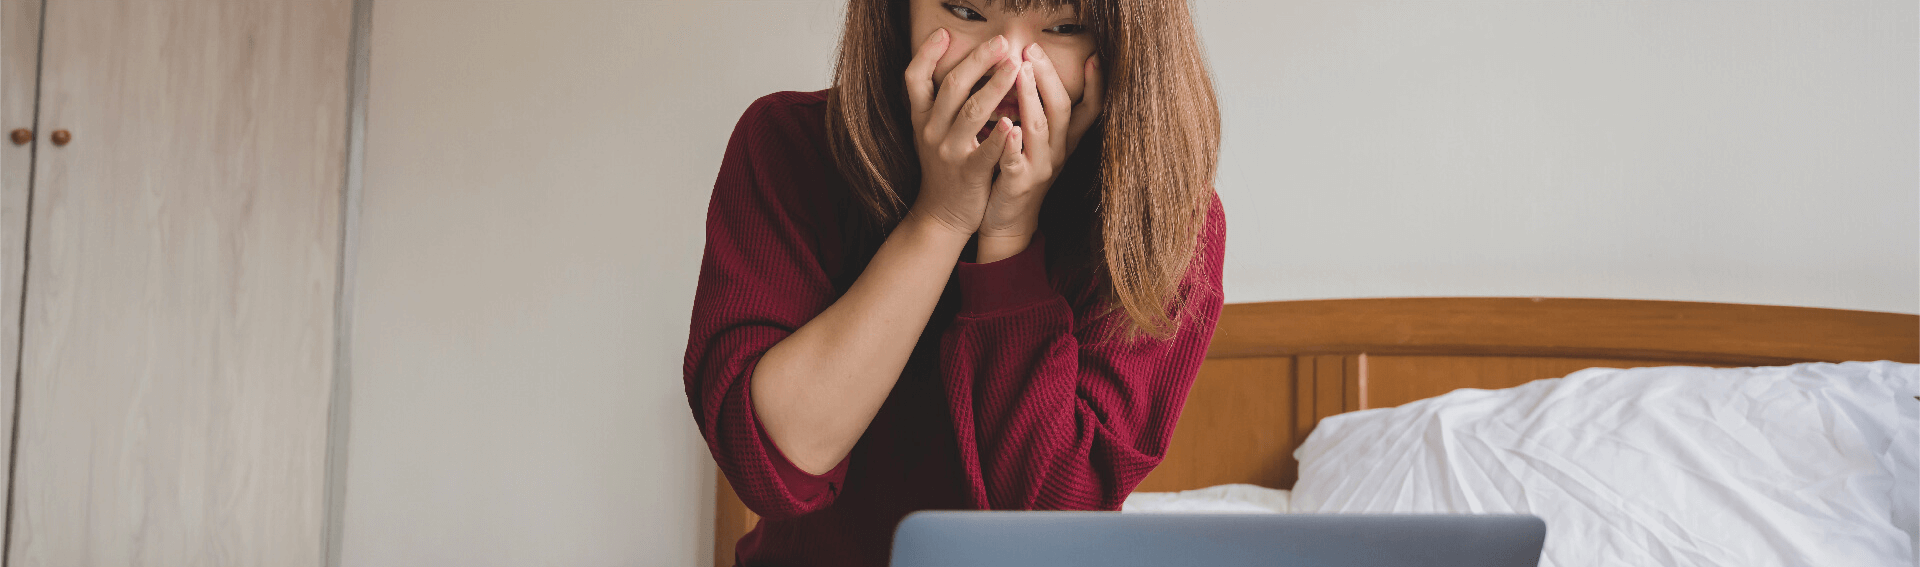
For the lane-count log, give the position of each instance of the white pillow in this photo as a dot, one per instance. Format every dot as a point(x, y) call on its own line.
point(1225, 498)
point(1811, 464)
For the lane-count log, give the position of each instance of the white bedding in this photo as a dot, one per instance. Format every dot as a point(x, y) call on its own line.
point(1225, 498)
point(1811, 464)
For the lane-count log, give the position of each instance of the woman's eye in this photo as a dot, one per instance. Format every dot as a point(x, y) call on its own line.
point(964, 13)
point(1067, 29)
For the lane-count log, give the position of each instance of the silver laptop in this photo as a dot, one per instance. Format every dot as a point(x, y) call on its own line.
point(1111, 539)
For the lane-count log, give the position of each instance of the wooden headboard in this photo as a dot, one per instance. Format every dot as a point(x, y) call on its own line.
point(1275, 369)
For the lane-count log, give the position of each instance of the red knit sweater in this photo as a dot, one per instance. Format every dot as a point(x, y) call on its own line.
point(1009, 401)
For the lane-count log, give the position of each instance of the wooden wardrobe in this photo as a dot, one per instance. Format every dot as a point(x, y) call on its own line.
point(170, 245)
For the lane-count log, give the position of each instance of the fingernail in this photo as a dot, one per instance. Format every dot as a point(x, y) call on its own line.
point(1035, 52)
point(942, 35)
point(999, 44)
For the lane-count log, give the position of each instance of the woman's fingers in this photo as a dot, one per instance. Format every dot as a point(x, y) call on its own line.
point(1010, 156)
point(959, 81)
point(993, 147)
point(1090, 104)
point(1053, 95)
point(920, 75)
point(979, 107)
point(1033, 119)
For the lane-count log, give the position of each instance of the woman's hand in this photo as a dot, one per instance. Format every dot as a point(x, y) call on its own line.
point(1034, 153)
point(956, 170)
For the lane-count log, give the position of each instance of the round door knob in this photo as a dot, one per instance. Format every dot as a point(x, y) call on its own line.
point(21, 136)
point(61, 137)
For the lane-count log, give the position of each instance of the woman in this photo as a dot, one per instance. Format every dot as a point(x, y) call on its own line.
point(987, 285)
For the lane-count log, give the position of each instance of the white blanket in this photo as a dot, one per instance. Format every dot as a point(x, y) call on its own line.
point(1221, 499)
point(1811, 464)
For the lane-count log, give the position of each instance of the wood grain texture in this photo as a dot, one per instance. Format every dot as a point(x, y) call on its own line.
point(1330, 381)
point(1395, 380)
point(179, 321)
point(19, 60)
point(1593, 328)
point(1305, 395)
point(1233, 395)
point(1354, 381)
point(731, 520)
point(1327, 384)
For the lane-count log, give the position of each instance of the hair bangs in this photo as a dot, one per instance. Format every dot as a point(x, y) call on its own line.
point(1021, 6)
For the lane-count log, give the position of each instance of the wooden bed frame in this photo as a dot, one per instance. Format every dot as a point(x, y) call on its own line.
point(1275, 369)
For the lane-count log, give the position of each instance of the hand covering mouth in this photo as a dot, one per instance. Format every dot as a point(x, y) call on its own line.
point(1009, 108)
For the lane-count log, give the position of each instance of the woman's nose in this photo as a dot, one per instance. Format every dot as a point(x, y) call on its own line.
point(1017, 43)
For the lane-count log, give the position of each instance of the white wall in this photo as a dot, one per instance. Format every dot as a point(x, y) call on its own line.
point(537, 174)
point(1740, 152)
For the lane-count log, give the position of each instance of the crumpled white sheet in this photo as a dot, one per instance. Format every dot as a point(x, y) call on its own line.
point(1810, 464)
point(1225, 498)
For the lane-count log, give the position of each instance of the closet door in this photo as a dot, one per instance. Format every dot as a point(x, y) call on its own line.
point(19, 59)
point(183, 256)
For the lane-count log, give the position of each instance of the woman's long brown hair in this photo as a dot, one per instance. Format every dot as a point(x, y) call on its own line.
point(1156, 146)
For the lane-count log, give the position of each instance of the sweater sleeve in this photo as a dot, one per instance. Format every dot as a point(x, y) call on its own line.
point(1049, 418)
point(760, 280)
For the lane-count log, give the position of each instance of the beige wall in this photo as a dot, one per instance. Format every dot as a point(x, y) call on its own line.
point(536, 180)
point(537, 174)
point(1742, 152)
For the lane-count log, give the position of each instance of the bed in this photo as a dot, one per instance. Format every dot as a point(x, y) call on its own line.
point(1275, 370)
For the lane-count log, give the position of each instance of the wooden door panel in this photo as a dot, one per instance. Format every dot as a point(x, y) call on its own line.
point(19, 62)
point(179, 326)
